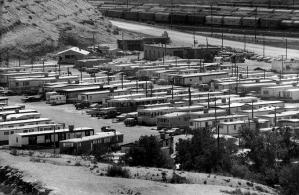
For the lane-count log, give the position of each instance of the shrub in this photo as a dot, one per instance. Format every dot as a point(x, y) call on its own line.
point(118, 171)
point(178, 179)
point(38, 160)
point(14, 152)
point(77, 163)
point(240, 171)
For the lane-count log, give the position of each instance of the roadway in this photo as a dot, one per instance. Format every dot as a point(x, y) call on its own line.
point(184, 38)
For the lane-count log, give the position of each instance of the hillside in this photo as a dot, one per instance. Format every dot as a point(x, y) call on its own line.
point(33, 27)
point(73, 175)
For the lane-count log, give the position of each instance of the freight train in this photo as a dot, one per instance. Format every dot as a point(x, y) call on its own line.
point(204, 15)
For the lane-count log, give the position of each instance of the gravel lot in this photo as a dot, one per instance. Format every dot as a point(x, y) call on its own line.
point(70, 116)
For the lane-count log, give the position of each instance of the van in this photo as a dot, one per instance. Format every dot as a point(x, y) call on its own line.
point(48, 95)
point(57, 99)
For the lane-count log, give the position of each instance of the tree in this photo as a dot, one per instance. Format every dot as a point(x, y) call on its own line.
point(201, 153)
point(146, 152)
point(289, 180)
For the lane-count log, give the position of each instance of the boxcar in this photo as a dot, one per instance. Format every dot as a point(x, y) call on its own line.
point(115, 13)
point(146, 16)
point(287, 23)
point(129, 15)
point(250, 22)
point(283, 11)
point(232, 21)
point(178, 18)
point(241, 13)
point(295, 23)
point(214, 20)
point(162, 17)
point(270, 23)
point(195, 19)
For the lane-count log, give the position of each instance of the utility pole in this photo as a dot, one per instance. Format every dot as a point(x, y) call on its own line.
point(43, 65)
point(59, 68)
point(146, 88)
point(189, 92)
point(286, 48)
point(172, 83)
point(275, 117)
point(152, 90)
point(122, 80)
point(137, 86)
point(263, 45)
point(54, 146)
point(247, 71)
point(171, 13)
point(222, 37)
point(19, 58)
point(281, 64)
point(217, 128)
point(211, 10)
point(255, 24)
point(252, 114)
point(208, 100)
point(244, 39)
point(93, 42)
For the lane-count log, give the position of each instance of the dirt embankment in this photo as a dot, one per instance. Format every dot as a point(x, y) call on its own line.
point(35, 27)
point(64, 174)
point(12, 182)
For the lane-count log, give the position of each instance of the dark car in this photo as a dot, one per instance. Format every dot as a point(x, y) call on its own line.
point(94, 112)
point(82, 105)
point(9, 93)
point(35, 98)
point(107, 129)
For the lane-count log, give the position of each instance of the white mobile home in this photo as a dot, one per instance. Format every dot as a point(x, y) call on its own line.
point(274, 91)
point(5, 132)
point(101, 96)
point(19, 123)
point(280, 116)
point(22, 116)
point(291, 94)
point(46, 138)
point(197, 78)
point(210, 122)
point(181, 119)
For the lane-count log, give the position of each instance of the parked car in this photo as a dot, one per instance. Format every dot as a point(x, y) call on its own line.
point(57, 99)
point(94, 112)
point(122, 117)
point(129, 122)
point(110, 114)
point(8, 92)
point(35, 98)
point(107, 129)
point(82, 105)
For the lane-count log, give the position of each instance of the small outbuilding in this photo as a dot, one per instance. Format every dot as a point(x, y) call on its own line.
point(71, 55)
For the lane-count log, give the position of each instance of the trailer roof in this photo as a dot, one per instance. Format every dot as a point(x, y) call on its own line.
point(52, 131)
point(92, 137)
point(24, 121)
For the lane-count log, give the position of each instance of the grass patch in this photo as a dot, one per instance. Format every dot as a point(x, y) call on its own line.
point(118, 171)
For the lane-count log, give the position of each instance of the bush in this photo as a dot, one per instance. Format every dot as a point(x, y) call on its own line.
point(288, 180)
point(240, 171)
point(77, 163)
point(14, 152)
point(178, 179)
point(118, 171)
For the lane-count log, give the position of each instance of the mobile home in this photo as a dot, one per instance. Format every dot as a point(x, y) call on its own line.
point(47, 138)
point(99, 142)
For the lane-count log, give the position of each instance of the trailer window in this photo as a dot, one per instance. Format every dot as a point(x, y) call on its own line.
point(6, 133)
